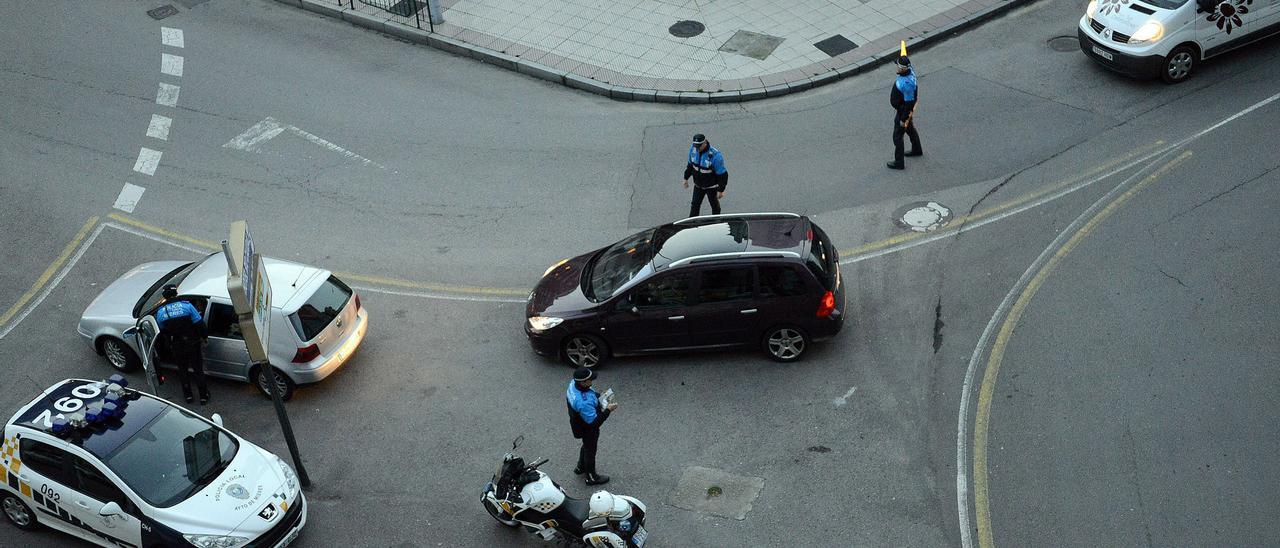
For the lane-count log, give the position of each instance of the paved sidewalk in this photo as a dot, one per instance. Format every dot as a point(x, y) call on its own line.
point(687, 51)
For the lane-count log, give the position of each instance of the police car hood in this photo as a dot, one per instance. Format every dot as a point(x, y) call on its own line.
point(248, 499)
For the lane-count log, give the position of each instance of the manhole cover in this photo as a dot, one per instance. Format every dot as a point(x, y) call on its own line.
point(686, 29)
point(751, 44)
point(835, 45)
point(922, 216)
point(162, 12)
point(1064, 43)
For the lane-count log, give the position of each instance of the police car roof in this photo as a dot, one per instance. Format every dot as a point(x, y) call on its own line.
point(725, 234)
point(102, 440)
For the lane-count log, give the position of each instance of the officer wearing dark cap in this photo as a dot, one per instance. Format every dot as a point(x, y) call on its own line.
point(706, 165)
point(184, 332)
point(903, 98)
point(585, 417)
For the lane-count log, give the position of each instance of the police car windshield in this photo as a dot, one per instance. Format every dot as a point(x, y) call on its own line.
point(172, 457)
point(617, 264)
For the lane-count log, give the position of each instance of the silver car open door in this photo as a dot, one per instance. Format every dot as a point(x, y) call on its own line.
point(143, 337)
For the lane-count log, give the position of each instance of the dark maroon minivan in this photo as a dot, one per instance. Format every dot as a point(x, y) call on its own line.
point(766, 280)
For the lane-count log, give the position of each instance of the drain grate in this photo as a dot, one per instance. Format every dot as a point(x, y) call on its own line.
point(686, 29)
point(162, 12)
point(835, 45)
point(1064, 43)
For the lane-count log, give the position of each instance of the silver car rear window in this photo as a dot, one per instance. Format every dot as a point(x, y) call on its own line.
point(321, 308)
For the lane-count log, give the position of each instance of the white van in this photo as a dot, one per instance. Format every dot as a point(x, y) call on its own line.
point(1169, 37)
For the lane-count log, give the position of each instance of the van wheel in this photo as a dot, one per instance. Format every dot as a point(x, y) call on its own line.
point(785, 343)
point(1179, 64)
point(283, 382)
point(118, 354)
point(585, 350)
point(18, 512)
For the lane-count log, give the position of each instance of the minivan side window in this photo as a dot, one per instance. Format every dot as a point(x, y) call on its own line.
point(664, 292)
point(721, 285)
point(780, 281)
point(222, 322)
point(46, 460)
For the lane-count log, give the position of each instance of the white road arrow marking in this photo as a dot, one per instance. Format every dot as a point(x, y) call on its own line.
point(269, 127)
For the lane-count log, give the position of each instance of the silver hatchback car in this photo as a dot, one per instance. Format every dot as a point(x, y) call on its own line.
point(316, 323)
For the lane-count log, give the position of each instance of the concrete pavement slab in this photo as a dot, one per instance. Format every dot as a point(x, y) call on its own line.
point(681, 47)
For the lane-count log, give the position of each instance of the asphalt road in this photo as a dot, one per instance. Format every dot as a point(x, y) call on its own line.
point(1132, 406)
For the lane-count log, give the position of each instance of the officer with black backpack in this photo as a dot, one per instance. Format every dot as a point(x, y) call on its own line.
point(184, 333)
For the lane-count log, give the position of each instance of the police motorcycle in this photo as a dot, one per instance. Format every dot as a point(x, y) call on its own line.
point(522, 495)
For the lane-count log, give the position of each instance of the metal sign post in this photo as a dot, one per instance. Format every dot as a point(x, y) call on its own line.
point(250, 292)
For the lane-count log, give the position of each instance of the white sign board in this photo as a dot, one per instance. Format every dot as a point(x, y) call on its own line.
point(249, 289)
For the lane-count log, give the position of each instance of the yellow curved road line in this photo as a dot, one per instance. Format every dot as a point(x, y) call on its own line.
point(982, 421)
point(960, 221)
point(48, 272)
point(393, 282)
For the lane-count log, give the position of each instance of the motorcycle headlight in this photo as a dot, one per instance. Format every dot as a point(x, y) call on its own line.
point(1149, 32)
point(216, 541)
point(289, 478)
point(543, 323)
point(1093, 8)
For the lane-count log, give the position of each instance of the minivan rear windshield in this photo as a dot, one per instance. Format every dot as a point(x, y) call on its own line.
point(321, 309)
point(822, 258)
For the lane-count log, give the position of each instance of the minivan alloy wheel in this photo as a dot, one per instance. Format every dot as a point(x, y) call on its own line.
point(786, 344)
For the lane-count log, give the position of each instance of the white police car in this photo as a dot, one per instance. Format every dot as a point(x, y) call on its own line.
point(118, 467)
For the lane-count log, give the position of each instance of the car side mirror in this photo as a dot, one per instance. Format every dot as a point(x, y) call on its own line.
point(635, 310)
point(217, 419)
point(110, 509)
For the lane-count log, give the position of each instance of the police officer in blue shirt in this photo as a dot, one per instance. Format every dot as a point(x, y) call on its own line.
point(903, 98)
point(706, 165)
point(585, 418)
point(184, 332)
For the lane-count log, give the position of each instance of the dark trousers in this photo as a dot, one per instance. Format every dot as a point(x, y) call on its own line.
point(587, 455)
point(898, 130)
point(695, 208)
point(188, 354)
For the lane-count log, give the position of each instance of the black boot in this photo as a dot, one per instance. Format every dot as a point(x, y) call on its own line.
point(894, 165)
point(596, 479)
point(578, 470)
point(204, 397)
point(186, 395)
point(916, 152)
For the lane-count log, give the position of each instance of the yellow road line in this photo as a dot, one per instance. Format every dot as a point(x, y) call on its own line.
point(48, 272)
point(394, 282)
point(960, 221)
point(982, 420)
point(212, 246)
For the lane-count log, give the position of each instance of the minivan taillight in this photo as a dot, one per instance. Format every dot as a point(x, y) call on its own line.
point(306, 354)
point(828, 305)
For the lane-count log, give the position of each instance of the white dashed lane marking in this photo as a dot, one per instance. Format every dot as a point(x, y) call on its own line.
point(147, 161)
point(171, 37)
point(129, 197)
point(167, 95)
point(171, 64)
point(159, 127)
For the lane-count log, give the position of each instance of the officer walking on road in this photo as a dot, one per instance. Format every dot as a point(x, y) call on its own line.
point(184, 330)
point(903, 98)
point(585, 417)
point(706, 165)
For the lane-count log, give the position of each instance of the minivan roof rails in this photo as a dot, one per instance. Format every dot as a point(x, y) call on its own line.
point(731, 216)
